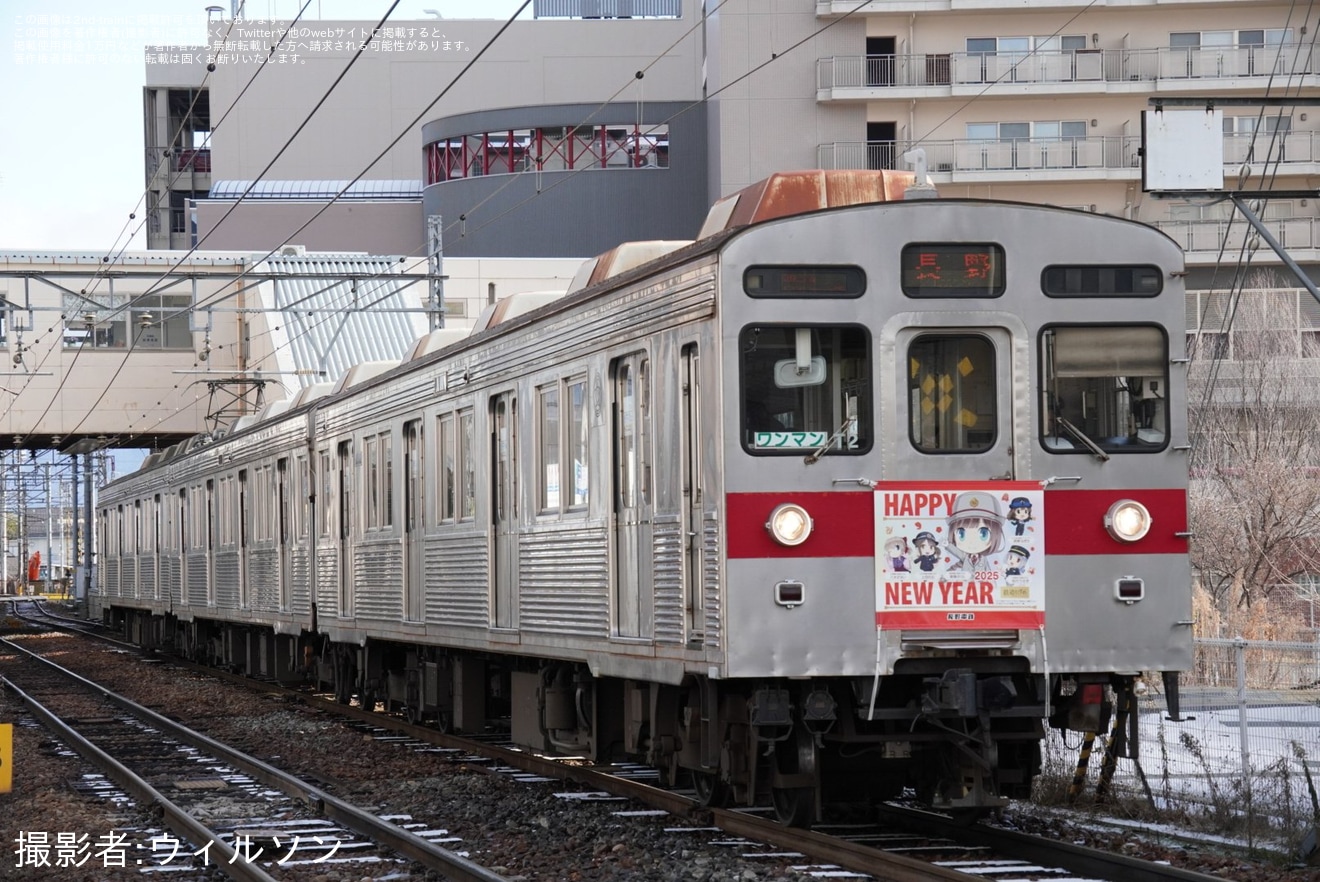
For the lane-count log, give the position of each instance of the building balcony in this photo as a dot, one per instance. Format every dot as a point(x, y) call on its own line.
point(1170, 70)
point(1215, 241)
point(1097, 158)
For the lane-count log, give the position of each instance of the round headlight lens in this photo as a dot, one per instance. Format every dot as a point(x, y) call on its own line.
point(1127, 521)
point(789, 524)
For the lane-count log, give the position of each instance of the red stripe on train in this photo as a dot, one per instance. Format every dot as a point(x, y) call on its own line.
point(844, 523)
point(1074, 522)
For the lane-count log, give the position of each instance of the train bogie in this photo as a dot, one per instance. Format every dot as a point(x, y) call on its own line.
point(822, 506)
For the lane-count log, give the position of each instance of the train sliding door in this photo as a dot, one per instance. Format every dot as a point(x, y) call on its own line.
point(633, 606)
point(282, 515)
point(691, 524)
point(504, 509)
point(345, 462)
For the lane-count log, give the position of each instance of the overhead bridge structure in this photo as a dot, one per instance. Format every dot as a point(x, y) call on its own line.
point(144, 350)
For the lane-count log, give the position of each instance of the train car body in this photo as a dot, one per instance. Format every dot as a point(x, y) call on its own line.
point(827, 503)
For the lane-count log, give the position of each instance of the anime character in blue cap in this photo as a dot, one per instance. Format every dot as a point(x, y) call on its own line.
point(1019, 513)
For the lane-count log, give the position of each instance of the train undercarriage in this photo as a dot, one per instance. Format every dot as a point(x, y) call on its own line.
point(965, 739)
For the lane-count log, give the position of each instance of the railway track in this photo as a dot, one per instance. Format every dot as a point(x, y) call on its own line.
point(262, 817)
point(909, 846)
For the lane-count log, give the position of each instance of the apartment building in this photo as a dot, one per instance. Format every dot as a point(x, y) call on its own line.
point(602, 120)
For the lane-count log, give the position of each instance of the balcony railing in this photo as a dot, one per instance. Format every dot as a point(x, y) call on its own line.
point(1294, 153)
point(1294, 233)
point(1041, 154)
point(1080, 66)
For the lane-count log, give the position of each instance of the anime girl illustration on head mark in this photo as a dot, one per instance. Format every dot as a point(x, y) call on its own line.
point(1019, 513)
point(928, 551)
point(976, 529)
point(1016, 560)
point(896, 554)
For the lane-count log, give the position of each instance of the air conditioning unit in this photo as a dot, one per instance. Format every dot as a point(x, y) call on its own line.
point(293, 251)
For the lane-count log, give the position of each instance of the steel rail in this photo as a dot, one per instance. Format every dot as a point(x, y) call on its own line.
point(443, 861)
point(1074, 858)
point(178, 820)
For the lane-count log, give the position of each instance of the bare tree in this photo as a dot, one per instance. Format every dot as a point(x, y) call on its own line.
point(1254, 396)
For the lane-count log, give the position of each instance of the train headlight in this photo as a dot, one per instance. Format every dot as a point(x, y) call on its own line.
point(1127, 521)
point(789, 524)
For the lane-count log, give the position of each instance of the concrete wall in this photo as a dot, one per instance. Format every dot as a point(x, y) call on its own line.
point(388, 93)
point(368, 227)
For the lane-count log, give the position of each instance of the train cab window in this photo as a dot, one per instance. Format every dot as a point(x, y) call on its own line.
point(952, 404)
point(1105, 389)
point(806, 388)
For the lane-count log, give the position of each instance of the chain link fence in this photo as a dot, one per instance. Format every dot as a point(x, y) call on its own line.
point(1243, 754)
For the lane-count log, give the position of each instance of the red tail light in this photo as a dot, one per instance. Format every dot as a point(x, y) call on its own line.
point(1093, 693)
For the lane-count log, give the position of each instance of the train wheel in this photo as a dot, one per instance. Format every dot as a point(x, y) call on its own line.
point(795, 763)
point(712, 792)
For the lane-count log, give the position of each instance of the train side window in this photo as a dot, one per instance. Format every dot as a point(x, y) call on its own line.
point(576, 495)
point(467, 466)
point(806, 388)
point(372, 476)
point(562, 427)
point(446, 474)
point(386, 479)
point(549, 448)
point(1106, 389)
point(327, 495)
point(952, 403)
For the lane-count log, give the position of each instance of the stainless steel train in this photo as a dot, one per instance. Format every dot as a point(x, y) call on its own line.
point(853, 493)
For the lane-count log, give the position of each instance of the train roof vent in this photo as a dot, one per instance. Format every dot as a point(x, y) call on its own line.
point(513, 306)
point(788, 193)
point(435, 341)
point(150, 460)
point(360, 373)
point(274, 409)
point(310, 393)
point(622, 258)
point(242, 422)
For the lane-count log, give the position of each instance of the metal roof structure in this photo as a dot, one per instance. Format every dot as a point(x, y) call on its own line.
point(320, 326)
point(317, 190)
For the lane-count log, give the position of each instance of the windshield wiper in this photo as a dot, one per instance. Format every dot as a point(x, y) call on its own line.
point(1082, 438)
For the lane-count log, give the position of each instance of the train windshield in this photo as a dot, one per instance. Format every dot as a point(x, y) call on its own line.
point(806, 388)
point(1105, 389)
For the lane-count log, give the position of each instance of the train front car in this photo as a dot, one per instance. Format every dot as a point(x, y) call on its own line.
point(954, 469)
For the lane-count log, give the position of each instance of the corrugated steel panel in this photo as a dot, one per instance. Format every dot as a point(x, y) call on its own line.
point(317, 190)
point(326, 327)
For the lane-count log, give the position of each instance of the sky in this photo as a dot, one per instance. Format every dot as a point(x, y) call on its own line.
point(72, 73)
